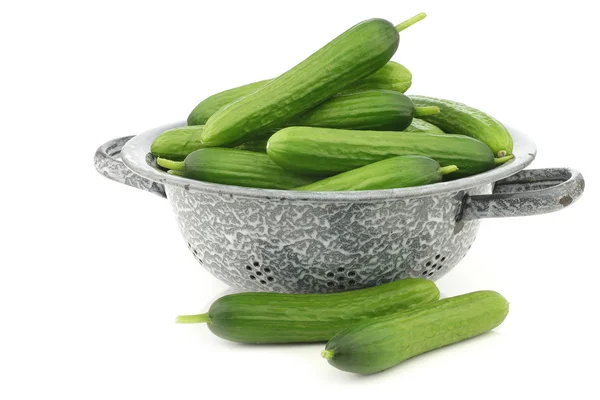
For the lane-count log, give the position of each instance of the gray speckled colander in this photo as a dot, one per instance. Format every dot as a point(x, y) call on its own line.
point(303, 242)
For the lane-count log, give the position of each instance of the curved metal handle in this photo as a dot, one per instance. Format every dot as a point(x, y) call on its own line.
point(108, 162)
point(528, 192)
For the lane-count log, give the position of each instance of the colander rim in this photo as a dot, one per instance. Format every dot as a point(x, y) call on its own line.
point(137, 157)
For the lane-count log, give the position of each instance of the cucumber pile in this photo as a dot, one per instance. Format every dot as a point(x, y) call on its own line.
point(328, 124)
point(366, 330)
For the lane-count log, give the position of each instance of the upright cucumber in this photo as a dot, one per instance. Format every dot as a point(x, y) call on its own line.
point(376, 344)
point(418, 125)
point(321, 151)
point(395, 172)
point(461, 119)
point(392, 76)
point(238, 167)
point(355, 54)
point(296, 318)
point(372, 109)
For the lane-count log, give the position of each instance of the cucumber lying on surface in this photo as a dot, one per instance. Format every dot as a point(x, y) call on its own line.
point(296, 318)
point(418, 125)
point(369, 110)
point(376, 344)
point(461, 119)
point(392, 76)
point(237, 167)
point(395, 172)
point(326, 152)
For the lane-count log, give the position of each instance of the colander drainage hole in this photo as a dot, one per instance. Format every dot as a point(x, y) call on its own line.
point(351, 282)
point(433, 266)
point(249, 268)
point(425, 272)
point(352, 273)
point(342, 287)
point(330, 274)
point(270, 278)
point(340, 269)
point(431, 273)
point(341, 278)
point(428, 264)
point(252, 277)
point(256, 263)
point(258, 273)
point(263, 282)
point(331, 284)
point(437, 257)
point(267, 270)
point(443, 259)
point(439, 267)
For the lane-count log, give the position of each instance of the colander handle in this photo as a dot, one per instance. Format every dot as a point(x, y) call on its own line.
point(528, 192)
point(108, 162)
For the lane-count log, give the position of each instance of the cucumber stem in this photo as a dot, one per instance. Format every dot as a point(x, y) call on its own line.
point(502, 160)
point(193, 319)
point(327, 354)
point(426, 110)
point(447, 169)
point(409, 22)
point(174, 172)
point(168, 164)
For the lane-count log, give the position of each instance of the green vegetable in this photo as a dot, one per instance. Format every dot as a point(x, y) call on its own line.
point(292, 318)
point(258, 144)
point(376, 344)
point(239, 167)
point(175, 144)
point(373, 109)
point(355, 54)
point(392, 76)
point(461, 119)
point(395, 172)
point(323, 152)
point(418, 125)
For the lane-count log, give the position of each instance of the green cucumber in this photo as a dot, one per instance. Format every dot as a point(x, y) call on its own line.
point(418, 125)
point(373, 109)
point(207, 107)
point(461, 119)
point(258, 144)
point(175, 144)
point(395, 172)
point(325, 152)
point(392, 76)
point(297, 318)
point(355, 54)
point(377, 344)
point(239, 167)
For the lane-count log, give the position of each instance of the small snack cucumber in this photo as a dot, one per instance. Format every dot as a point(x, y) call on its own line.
point(395, 172)
point(325, 152)
point(376, 344)
point(297, 318)
point(175, 144)
point(418, 125)
point(238, 167)
point(392, 76)
point(461, 119)
point(372, 109)
point(355, 54)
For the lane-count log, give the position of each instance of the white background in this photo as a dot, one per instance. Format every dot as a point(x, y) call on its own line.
point(93, 273)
